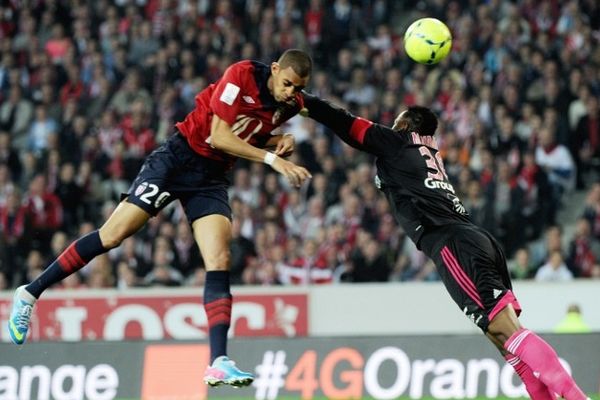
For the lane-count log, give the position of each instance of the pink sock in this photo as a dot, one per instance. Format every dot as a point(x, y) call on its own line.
point(543, 362)
point(536, 388)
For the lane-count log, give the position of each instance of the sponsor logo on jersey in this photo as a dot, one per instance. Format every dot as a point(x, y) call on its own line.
point(458, 206)
point(277, 116)
point(437, 184)
point(141, 188)
point(248, 99)
point(474, 317)
point(229, 93)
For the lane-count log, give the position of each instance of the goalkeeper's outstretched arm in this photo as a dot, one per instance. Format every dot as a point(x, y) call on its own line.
point(358, 132)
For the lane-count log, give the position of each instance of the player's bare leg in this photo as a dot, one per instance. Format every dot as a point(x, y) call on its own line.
point(213, 234)
point(123, 222)
point(126, 220)
point(534, 360)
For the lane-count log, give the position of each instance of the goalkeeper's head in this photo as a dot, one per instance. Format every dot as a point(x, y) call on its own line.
point(417, 119)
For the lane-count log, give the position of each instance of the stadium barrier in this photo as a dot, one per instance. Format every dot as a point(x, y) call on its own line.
point(453, 366)
point(316, 311)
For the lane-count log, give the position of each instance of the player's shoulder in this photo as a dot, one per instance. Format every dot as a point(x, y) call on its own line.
point(388, 133)
point(248, 66)
point(250, 73)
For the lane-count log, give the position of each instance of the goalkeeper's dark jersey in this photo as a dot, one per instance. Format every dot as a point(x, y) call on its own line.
point(410, 170)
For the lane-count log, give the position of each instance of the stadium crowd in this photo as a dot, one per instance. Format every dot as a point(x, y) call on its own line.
point(89, 88)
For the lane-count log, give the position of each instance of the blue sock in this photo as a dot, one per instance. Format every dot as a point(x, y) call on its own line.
point(71, 260)
point(217, 304)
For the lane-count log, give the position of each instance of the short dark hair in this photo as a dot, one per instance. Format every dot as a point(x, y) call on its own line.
point(298, 59)
point(421, 120)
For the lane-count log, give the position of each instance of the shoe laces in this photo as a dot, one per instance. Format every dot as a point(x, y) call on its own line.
point(24, 316)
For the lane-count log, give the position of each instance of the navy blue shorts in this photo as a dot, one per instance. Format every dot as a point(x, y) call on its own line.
point(175, 171)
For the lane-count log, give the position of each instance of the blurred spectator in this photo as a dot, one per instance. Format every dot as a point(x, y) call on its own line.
point(129, 253)
point(587, 140)
point(126, 276)
point(15, 116)
point(538, 206)
point(137, 136)
point(521, 267)
point(186, 251)
point(74, 88)
point(130, 92)
point(4, 281)
point(69, 193)
point(6, 185)
point(592, 209)
point(243, 189)
point(584, 250)
point(13, 228)
point(197, 278)
point(556, 161)
point(313, 220)
point(479, 207)
point(57, 45)
point(507, 198)
point(292, 212)
point(58, 244)
point(44, 210)
point(306, 268)
point(72, 282)
point(368, 261)
point(554, 269)
point(34, 265)
point(242, 249)
point(41, 128)
point(163, 273)
point(143, 44)
point(552, 241)
point(9, 160)
point(100, 273)
point(573, 322)
point(360, 91)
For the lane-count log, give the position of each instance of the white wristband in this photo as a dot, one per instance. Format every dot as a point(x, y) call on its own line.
point(270, 158)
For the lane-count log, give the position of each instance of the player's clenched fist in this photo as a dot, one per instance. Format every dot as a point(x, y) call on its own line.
point(295, 174)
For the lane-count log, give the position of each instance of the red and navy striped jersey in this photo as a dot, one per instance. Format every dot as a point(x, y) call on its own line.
point(410, 170)
point(242, 99)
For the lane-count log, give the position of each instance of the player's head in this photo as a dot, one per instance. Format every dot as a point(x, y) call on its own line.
point(290, 74)
point(417, 119)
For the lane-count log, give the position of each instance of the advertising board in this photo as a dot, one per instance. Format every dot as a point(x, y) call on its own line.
point(463, 366)
point(160, 317)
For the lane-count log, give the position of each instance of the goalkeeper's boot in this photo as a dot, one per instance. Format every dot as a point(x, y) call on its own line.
point(22, 308)
point(224, 372)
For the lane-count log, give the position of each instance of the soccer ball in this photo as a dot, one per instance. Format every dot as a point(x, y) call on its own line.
point(427, 41)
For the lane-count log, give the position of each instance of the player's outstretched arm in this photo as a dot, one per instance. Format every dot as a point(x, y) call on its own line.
point(339, 120)
point(224, 139)
point(358, 132)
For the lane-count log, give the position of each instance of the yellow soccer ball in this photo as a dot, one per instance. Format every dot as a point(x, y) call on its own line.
point(427, 41)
